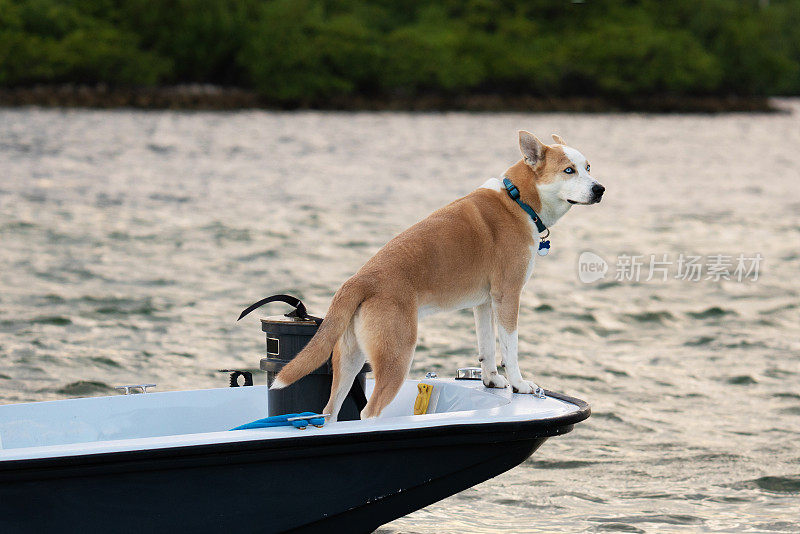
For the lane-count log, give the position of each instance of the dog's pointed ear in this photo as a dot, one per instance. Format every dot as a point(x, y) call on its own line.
point(532, 149)
point(559, 140)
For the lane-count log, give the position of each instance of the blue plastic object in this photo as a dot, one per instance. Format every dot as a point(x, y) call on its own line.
point(297, 420)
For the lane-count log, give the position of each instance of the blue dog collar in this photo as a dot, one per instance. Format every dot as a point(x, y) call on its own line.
point(513, 192)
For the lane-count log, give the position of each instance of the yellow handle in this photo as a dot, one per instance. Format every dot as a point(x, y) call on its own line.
point(423, 398)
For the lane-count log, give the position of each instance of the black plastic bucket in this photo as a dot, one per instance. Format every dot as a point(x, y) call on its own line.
point(286, 337)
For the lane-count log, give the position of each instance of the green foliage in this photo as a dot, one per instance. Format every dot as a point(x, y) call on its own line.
point(297, 53)
point(306, 52)
point(200, 37)
point(636, 60)
point(431, 54)
point(52, 41)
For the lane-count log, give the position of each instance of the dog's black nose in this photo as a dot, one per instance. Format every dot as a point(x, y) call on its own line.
point(598, 190)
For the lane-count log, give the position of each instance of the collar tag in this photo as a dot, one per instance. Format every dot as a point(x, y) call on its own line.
point(544, 247)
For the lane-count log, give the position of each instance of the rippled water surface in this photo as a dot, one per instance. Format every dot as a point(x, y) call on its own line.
point(131, 240)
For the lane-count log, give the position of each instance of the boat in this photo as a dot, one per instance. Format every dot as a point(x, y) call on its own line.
point(169, 461)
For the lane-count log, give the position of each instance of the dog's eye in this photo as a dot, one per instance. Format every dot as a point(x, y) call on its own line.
point(569, 170)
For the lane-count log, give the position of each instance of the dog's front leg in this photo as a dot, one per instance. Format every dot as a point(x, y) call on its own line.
point(484, 327)
point(506, 310)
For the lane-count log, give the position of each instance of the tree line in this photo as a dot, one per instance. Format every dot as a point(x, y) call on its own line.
point(307, 52)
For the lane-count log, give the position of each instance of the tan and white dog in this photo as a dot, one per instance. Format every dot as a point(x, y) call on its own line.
point(477, 252)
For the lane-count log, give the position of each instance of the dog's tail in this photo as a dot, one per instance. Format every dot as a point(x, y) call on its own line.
point(343, 306)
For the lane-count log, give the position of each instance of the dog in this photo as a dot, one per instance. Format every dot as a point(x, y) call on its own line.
point(477, 252)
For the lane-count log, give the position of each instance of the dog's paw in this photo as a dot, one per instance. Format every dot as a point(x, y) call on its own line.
point(495, 380)
point(528, 388)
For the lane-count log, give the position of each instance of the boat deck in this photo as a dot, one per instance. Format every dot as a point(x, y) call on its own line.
point(201, 417)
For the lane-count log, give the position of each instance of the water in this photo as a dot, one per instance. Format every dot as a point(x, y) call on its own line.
point(131, 240)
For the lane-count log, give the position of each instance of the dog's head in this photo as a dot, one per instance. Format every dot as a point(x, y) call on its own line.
point(562, 173)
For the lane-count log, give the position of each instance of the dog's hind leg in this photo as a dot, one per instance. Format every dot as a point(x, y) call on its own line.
point(387, 331)
point(484, 327)
point(347, 361)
